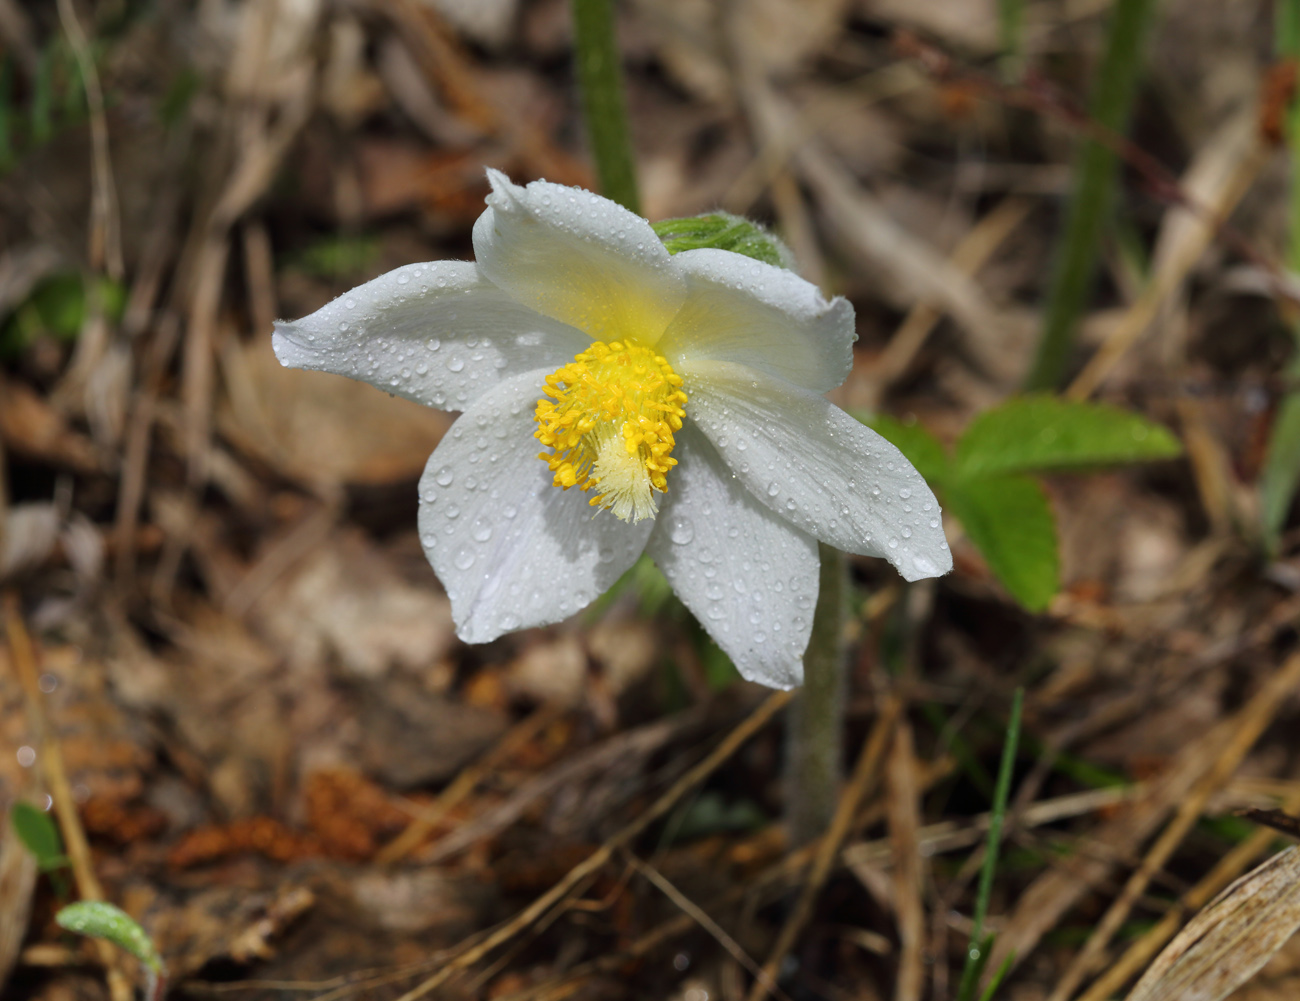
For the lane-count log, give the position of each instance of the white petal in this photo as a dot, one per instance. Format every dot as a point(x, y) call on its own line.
point(749, 576)
point(818, 468)
point(579, 258)
point(436, 333)
point(743, 310)
point(510, 549)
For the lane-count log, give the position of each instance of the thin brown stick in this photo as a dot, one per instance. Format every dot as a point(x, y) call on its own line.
point(1141, 952)
point(1251, 723)
point(971, 254)
point(698, 915)
point(105, 226)
point(4, 496)
point(773, 879)
point(733, 741)
point(48, 751)
point(1246, 155)
point(865, 773)
point(904, 825)
point(466, 782)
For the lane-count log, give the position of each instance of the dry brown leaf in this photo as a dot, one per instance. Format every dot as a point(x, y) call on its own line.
point(346, 601)
point(1228, 942)
point(320, 428)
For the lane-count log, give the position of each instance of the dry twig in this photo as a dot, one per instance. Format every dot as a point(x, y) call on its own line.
point(1247, 727)
point(22, 655)
point(593, 863)
point(865, 774)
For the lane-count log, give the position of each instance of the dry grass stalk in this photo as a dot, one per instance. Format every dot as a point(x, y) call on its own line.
point(510, 744)
point(698, 915)
point(1228, 868)
point(105, 224)
point(22, 655)
point(1227, 943)
point(865, 774)
point(1049, 897)
point(1217, 180)
point(976, 247)
point(1249, 724)
point(593, 863)
point(904, 824)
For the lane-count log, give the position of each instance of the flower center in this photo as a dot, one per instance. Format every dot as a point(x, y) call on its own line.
point(609, 422)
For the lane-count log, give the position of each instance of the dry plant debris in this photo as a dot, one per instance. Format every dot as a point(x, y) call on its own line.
point(229, 671)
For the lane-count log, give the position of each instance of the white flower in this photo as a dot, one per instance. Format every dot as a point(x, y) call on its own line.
point(680, 400)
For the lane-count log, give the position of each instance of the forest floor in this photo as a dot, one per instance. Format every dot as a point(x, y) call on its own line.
point(292, 773)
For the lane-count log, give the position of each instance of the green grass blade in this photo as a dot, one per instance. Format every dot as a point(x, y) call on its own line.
point(600, 76)
point(42, 110)
point(7, 117)
point(978, 948)
point(1094, 183)
point(1281, 475)
point(998, 977)
point(1011, 33)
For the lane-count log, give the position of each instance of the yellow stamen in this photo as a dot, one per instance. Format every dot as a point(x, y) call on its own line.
point(609, 422)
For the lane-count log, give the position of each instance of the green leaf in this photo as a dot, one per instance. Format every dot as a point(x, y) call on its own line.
point(39, 834)
point(922, 449)
point(710, 812)
point(102, 920)
point(998, 977)
point(1040, 433)
point(723, 231)
point(1281, 475)
point(1009, 520)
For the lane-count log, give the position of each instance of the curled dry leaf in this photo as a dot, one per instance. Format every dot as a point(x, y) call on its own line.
point(1228, 942)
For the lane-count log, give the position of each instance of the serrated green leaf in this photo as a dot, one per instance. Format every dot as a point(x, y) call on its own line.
point(1010, 522)
point(723, 231)
point(922, 449)
point(39, 834)
point(99, 919)
point(1042, 433)
point(1281, 475)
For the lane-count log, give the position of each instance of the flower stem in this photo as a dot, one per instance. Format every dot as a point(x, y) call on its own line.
point(816, 723)
point(600, 78)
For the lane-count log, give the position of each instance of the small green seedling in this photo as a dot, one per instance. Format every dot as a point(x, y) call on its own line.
point(40, 835)
point(99, 919)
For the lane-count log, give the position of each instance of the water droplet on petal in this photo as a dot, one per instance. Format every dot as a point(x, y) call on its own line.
point(681, 531)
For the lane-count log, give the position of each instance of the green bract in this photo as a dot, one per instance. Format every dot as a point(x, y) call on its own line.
point(723, 231)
